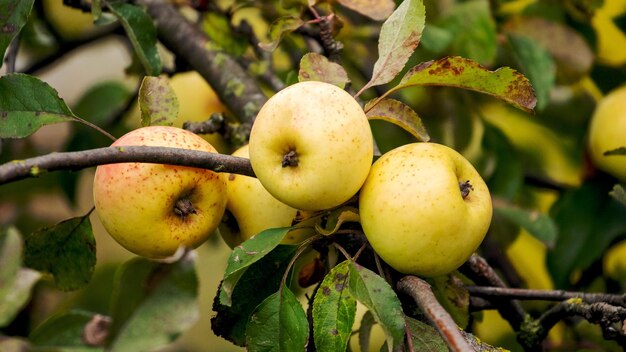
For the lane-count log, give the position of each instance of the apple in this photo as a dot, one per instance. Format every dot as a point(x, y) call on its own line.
point(153, 209)
point(424, 209)
point(607, 131)
point(311, 146)
point(69, 22)
point(255, 210)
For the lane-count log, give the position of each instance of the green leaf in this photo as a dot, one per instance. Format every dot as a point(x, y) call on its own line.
point(377, 10)
point(540, 225)
point(245, 255)
point(103, 102)
point(399, 114)
point(259, 281)
point(16, 283)
point(618, 193)
point(453, 296)
point(399, 36)
point(503, 83)
point(218, 28)
point(424, 337)
point(376, 294)
point(589, 220)
point(334, 309)
point(153, 303)
point(142, 34)
point(13, 16)
point(63, 331)
point(365, 330)
point(336, 218)
point(473, 31)
point(157, 101)
point(278, 29)
point(316, 67)
point(538, 65)
point(278, 324)
point(27, 104)
point(67, 250)
point(436, 39)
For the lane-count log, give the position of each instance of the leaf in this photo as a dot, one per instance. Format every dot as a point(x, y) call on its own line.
point(278, 29)
point(375, 9)
point(67, 250)
point(153, 303)
point(278, 324)
point(589, 220)
point(103, 102)
point(375, 294)
point(538, 65)
point(399, 114)
point(619, 194)
point(334, 309)
point(245, 255)
point(27, 104)
point(365, 330)
point(337, 218)
point(157, 102)
point(259, 281)
point(540, 225)
point(218, 28)
point(16, 283)
point(453, 296)
point(503, 83)
point(141, 32)
point(63, 331)
point(316, 67)
point(399, 36)
point(13, 16)
point(424, 337)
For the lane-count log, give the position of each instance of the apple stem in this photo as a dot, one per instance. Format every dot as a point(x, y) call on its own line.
point(184, 207)
point(290, 159)
point(465, 187)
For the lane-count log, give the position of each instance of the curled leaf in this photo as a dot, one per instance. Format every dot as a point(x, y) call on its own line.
point(316, 67)
point(399, 114)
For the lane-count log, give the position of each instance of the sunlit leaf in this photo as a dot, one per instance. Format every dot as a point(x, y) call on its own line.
point(278, 324)
point(316, 67)
point(374, 9)
point(278, 29)
point(219, 29)
point(157, 101)
point(399, 36)
point(399, 114)
point(27, 104)
point(13, 16)
point(618, 193)
point(142, 34)
point(245, 255)
point(153, 303)
point(336, 218)
point(334, 309)
point(503, 83)
point(66, 250)
point(376, 294)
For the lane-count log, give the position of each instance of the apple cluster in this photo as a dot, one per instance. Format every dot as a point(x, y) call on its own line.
point(423, 207)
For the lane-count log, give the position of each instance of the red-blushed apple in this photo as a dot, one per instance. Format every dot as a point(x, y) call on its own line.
point(153, 209)
point(424, 209)
point(311, 146)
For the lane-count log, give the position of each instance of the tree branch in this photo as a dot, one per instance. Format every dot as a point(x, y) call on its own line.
point(241, 94)
point(33, 167)
point(423, 295)
point(545, 295)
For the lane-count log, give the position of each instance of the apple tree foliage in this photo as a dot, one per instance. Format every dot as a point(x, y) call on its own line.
point(509, 84)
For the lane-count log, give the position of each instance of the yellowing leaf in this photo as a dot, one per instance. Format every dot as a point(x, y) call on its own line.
point(316, 67)
point(399, 114)
point(374, 9)
point(278, 29)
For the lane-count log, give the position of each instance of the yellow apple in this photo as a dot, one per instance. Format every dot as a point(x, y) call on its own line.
point(311, 146)
point(424, 209)
point(254, 209)
point(607, 131)
point(71, 23)
point(153, 209)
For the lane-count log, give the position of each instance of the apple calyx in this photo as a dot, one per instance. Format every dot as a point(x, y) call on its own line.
point(290, 159)
point(183, 208)
point(465, 187)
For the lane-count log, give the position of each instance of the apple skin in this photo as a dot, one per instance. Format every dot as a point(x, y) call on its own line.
point(330, 134)
point(414, 215)
point(607, 131)
point(256, 210)
point(136, 201)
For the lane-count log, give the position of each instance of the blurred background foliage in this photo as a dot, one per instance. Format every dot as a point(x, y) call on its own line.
point(555, 225)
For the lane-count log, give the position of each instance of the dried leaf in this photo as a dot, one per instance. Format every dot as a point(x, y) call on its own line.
point(399, 114)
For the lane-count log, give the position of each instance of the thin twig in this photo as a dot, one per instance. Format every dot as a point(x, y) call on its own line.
point(423, 295)
point(21, 169)
point(545, 295)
